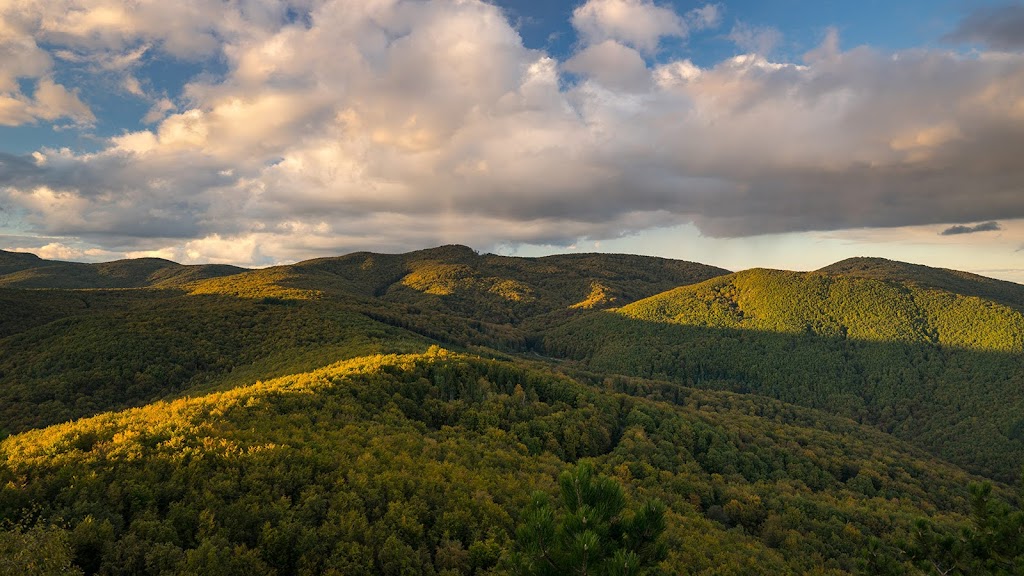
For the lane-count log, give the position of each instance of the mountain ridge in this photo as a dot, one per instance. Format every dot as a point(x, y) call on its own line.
point(33, 272)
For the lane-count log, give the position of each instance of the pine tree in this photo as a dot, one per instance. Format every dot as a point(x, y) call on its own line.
point(592, 534)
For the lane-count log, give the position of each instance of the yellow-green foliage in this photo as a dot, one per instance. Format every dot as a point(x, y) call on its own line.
point(129, 347)
point(941, 369)
point(512, 290)
point(941, 279)
point(600, 297)
point(268, 283)
point(427, 462)
point(837, 306)
point(42, 550)
point(439, 279)
point(236, 451)
point(495, 289)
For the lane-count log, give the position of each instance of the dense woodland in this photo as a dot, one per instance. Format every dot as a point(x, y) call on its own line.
point(445, 412)
point(940, 369)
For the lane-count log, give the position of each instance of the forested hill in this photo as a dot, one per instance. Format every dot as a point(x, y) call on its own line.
point(424, 413)
point(20, 270)
point(15, 261)
point(426, 464)
point(70, 352)
point(963, 283)
point(938, 367)
point(483, 287)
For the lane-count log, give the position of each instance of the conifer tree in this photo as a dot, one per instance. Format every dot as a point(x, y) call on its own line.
point(591, 533)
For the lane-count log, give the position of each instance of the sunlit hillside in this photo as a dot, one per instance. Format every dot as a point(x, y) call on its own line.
point(941, 367)
point(420, 413)
point(424, 463)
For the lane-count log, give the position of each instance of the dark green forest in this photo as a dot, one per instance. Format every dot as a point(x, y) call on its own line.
point(452, 413)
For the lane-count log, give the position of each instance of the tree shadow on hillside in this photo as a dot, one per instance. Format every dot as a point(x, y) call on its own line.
point(960, 404)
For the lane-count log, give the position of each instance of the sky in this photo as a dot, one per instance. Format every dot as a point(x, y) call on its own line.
point(775, 133)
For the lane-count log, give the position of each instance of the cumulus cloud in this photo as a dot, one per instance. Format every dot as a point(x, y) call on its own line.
point(393, 124)
point(613, 65)
point(638, 23)
point(112, 36)
point(755, 39)
point(51, 101)
point(1001, 27)
point(704, 17)
point(990, 226)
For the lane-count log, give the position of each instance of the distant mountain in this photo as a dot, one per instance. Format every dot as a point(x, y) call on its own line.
point(913, 350)
point(487, 287)
point(15, 261)
point(29, 271)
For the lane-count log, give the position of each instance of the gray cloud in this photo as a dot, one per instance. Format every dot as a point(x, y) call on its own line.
point(990, 226)
point(1001, 27)
point(400, 124)
point(15, 169)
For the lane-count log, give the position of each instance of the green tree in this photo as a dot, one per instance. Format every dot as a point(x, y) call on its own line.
point(40, 550)
point(994, 544)
point(593, 534)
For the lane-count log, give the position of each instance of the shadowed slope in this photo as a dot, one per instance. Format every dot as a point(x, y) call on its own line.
point(120, 348)
point(135, 273)
point(15, 261)
point(941, 369)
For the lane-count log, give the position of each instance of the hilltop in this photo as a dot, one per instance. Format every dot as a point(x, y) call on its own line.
point(486, 287)
point(954, 281)
point(21, 270)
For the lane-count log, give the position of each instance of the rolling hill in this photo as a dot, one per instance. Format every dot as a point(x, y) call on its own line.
point(423, 464)
point(484, 287)
point(912, 350)
point(18, 270)
point(70, 352)
point(397, 413)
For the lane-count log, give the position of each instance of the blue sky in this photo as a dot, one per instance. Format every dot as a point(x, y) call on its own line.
point(782, 133)
point(886, 24)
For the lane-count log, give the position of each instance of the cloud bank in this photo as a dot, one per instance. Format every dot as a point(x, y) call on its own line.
point(394, 124)
point(1001, 27)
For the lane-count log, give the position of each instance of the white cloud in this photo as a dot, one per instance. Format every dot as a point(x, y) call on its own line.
point(51, 101)
point(58, 251)
point(707, 16)
point(638, 23)
point(613, 65)
point(159, 111)
point(393, 124)
point(755, 39)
